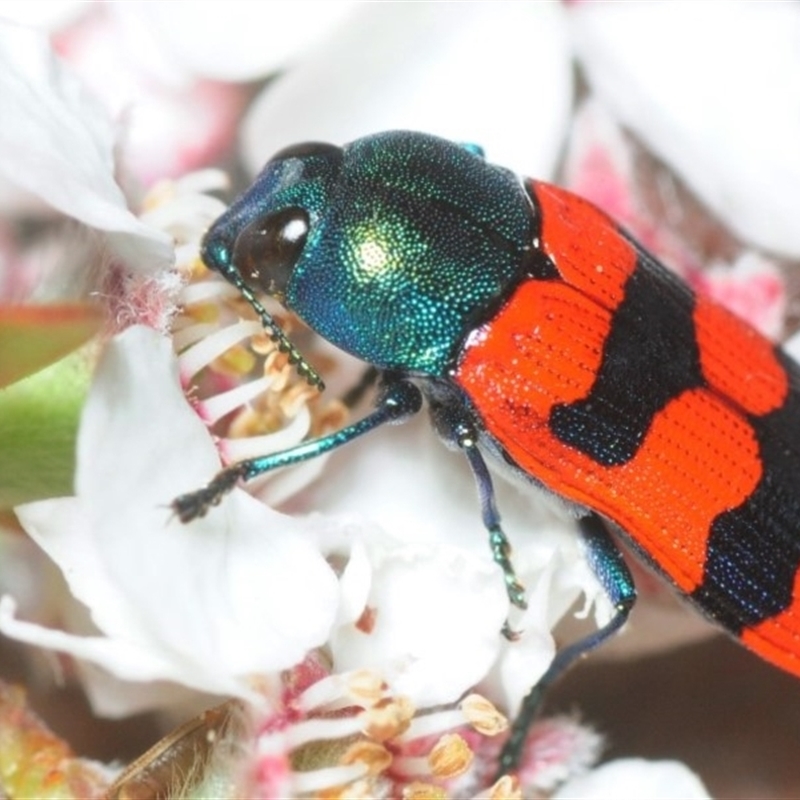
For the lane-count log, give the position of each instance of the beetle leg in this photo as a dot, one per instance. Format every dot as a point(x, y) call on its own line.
point(399, 400)
point(610, 569)
point(459, 433)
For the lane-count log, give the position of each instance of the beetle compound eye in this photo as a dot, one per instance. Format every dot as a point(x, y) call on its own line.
point(268, 248)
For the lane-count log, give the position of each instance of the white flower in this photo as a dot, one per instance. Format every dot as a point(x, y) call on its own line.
point(178, 41)
point(723, 114)
point(496, 74)
point(635, 779)
point(431, 620)
point(214, 605)
point(167, 75)
point(224, 603)
point(434, 577)
point(140, 446)
point(60, 148)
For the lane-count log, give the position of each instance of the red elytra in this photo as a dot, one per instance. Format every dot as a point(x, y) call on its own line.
point(700, 456)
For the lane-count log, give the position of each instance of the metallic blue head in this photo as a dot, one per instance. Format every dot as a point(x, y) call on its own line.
point(392, 248)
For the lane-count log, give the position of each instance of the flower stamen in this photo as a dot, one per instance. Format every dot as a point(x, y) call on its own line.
point(450, 757)
point(340, 689)
point(474, 710)
point(203, 353)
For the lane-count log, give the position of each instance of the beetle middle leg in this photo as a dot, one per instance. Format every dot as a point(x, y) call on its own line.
point(458, 432)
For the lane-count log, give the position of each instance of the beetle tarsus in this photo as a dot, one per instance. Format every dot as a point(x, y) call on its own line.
point(501, 552)
point(194, 505)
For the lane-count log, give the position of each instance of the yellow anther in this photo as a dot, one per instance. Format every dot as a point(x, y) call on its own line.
point(237, 361)
point(423, 791)
point(365, 687)
point(375, 757)
point(506, 788)
point(483, 716)
point(389, 718)
point(450, 756)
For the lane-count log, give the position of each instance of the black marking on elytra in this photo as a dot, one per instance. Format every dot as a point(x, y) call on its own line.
point(536, 263)
point(650, 356)
point(753, 551)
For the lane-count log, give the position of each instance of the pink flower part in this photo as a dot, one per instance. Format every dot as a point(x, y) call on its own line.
point(599, 166)
point(169, 128)
point(172, 132)
point(323, 713)
point(292, 706)
point(271, 771)
point(557, 749)
point(138, 300)
point(753, 287)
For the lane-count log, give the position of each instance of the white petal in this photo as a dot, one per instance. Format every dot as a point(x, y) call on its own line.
point(49, 14)
point(61, 529)
point(407, 483)
point(405, 480)
point(122, 658)
point(438, 615)
point(233, 590)
point(356, 582)
point(523, 662)
point(714, 94)
point(259, 38)
point(635, 779)
point(496, 74)
point(114, 698)
point(60, 147)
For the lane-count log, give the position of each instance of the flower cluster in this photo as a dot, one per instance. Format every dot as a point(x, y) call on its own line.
point(350, 606)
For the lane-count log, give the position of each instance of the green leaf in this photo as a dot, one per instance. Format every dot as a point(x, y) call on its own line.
point(39, 419)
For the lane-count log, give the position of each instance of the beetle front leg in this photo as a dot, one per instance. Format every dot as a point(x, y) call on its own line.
point(399, 400)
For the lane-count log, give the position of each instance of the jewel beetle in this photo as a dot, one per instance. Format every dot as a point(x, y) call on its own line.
point(539, 334)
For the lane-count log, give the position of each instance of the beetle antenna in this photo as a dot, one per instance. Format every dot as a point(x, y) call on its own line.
point(304, 369)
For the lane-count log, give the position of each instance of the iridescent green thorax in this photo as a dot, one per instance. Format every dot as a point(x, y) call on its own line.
point(418, 240)
point(411, 242)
